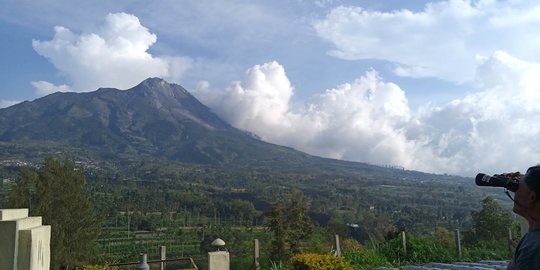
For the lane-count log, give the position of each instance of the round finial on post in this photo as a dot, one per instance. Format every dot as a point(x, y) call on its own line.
point(143, 265)
point(218, 243)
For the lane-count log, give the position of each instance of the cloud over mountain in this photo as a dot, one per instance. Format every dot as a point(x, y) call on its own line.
point(115, 55)
point(369, 119)
point(6, 103)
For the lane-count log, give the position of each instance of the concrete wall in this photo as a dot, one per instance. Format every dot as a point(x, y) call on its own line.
point(218, 260)
point(24, 241)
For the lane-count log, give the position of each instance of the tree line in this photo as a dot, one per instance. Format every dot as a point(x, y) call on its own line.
point(76, 203)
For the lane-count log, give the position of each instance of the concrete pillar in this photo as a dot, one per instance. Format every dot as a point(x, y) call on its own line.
point(256, 264)
point(143, 265)
point(337, 245)
point(162, 256)
point(404, 242)
point(24, 242)
point(458, 243)
point(510, 240)
point(218, 260)
point(34, 248)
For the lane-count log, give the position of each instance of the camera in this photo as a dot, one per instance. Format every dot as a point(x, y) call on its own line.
point(510, 183)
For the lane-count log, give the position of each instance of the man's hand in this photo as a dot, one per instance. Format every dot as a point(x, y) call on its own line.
point(513, 175)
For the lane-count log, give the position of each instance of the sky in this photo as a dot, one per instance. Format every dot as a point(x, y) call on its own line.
point(436, 86)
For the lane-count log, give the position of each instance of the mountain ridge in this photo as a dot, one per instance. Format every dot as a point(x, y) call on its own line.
point(154, 119)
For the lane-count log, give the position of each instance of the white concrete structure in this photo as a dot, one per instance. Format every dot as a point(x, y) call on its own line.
point(24, 241)
point(218, 260)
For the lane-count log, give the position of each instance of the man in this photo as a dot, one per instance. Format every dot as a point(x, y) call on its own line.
point(527, 205)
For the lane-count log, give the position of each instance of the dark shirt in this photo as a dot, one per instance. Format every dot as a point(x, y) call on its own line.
point(527, 254)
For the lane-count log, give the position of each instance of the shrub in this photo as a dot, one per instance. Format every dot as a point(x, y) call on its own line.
point(488, 250)
point(419, 250)
point(443, 237)
point(365, 259)
point(312, 261)
point(352, 245)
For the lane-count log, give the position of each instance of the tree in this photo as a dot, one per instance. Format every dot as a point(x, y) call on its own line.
point(290, 225)
point(57, 193)
point(491, 223)
point(276, 224)
point(443, 237)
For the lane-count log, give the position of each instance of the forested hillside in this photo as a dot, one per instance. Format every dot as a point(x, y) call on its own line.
point(158, 165)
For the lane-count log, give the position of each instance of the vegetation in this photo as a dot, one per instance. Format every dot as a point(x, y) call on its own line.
point(491, 223)
point(311, 261)
point(186, 206)
point(57, 193)
point(366, 259)
point(166, 171)
point(289, 225)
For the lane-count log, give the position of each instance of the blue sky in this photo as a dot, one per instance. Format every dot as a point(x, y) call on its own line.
point(418, 84)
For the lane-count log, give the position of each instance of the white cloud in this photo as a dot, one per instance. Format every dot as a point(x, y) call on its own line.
point(442, 41)
point(323, 3)
point(263, 97)
point(44, 88)
point(358, 121)
point(6, 103)
point(492, 129)
point(116, 55)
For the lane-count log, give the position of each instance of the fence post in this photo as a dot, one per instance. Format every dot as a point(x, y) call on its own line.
point(218, 260)
point(143, 265)
point(404, 242)
point(510, 240)
point(337, 245)
point(256, 254)
point(162, 256)
point(458, 243)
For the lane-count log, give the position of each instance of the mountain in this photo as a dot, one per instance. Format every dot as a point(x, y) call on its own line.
point(153, 120)
point(157, 137)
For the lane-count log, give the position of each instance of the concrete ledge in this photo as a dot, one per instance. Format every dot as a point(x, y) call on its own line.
point(12, 214)
point(29, 222)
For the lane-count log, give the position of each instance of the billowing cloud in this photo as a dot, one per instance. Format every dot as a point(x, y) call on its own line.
point(444, 40)
point(492, 129)
point(363, 120)
point(116, 55)
point(262, 97)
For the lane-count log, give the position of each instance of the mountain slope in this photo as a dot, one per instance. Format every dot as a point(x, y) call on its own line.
point(154, 119)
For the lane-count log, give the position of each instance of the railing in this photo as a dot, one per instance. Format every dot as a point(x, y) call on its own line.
point(192, 265)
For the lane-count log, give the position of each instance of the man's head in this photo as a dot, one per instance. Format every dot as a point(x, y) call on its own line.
point(528, 194)
point(532, 179)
